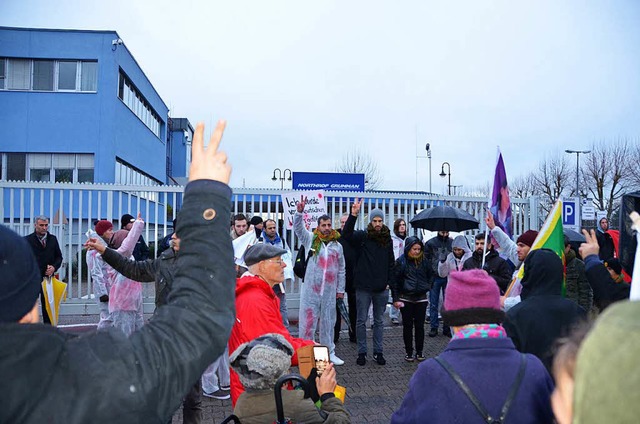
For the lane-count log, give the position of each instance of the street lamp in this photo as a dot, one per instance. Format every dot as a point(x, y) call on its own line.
point(282, 175)
point(443, 174)
point(577, 152)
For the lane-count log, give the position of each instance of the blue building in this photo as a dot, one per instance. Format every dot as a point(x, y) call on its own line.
point(76, 107)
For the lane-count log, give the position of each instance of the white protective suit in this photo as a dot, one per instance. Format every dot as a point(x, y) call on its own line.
point(325, 277)
point(101, 283)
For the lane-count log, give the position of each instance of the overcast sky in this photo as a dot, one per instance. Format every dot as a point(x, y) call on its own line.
point(302, 82)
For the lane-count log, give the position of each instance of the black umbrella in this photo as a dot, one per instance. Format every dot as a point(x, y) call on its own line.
point(445, 218)
point(574, 236)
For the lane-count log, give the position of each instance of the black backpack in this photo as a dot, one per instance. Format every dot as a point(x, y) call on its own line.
point(300, 265)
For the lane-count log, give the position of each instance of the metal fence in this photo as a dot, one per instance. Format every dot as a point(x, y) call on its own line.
point(72, 208)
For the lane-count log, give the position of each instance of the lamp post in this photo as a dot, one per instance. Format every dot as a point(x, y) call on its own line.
point(428, 149)
point(443, 174)
point(282, 175)
point(577, 152)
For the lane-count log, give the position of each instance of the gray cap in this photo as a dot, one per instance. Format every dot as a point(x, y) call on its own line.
point(260, 362)
point(376, 213)
point(260, 252)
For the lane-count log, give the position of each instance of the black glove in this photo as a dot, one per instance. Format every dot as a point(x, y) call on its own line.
point(104, 298)
point(443, 256)
point(313, 390)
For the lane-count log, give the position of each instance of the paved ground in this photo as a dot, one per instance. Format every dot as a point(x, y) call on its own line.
point(373, 391)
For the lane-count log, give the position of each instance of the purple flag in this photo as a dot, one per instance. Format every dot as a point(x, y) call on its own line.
point(500, 202)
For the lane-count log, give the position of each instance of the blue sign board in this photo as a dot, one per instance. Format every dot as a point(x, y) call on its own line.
point(328, 181)
point(569, 215)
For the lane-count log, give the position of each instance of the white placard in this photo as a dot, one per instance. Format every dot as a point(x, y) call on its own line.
point(316, 207)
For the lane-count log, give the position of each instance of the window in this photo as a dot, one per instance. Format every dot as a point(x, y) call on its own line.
point(45, 167)
point(67, 75)
point(19, 74)
point(48, 75)
point(43, 75)
point(129, 175)
point(16, 166)
point(138, 105)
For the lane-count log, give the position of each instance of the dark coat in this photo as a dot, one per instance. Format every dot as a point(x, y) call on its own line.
point(411, 280)
point(607, 248)
point(375, 262)
point(543, 315)
point(141, 251)
point(605, 290)
point(48, 255)
point(578, 288)
point(435, 249)
point(161, 270)
point(105, 377)
point(489, 367)
point(350, 259)
point(495, 266)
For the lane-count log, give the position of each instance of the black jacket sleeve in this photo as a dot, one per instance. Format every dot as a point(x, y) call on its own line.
point(605, 290)
point(354, 238)
point(143, 271)
point(397, 278)
point(57, 254)
point(502, 275)
point(191, 330)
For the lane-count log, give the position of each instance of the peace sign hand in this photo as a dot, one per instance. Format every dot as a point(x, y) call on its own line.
point(590, 246)
point(355, 208)
point(301, 204)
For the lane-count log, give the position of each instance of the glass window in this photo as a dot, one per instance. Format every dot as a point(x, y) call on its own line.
point(85, 175)
point(43, 75)
point(19, 75)
point(64, 175)
point(2, 74)
point(16, 166)
point(89, 73)
point(40, 174)
point(67, 74)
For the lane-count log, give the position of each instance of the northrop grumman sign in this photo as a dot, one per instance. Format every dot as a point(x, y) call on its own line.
point(328, 181)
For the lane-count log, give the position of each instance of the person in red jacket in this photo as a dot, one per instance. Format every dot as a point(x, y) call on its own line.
point(257, 306)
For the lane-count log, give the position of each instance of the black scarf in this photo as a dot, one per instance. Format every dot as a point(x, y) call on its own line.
point(382, 237)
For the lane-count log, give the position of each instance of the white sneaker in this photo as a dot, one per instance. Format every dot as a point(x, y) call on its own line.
point(335, 359)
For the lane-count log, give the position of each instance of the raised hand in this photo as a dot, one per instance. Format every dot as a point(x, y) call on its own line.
point(590, 246)
point(355, 208)
point(140, 216)
point(209, 163)
point(301, 204)
point(327, 382)
point(94, 244)
point(491, 224)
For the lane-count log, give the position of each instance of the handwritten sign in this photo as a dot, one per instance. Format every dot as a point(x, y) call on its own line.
point(315, 207)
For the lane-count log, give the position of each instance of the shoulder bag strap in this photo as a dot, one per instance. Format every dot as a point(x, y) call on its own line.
point(467, 391)
point(514, 387)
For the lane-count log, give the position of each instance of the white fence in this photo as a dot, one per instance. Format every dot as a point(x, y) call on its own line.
point(73, 207)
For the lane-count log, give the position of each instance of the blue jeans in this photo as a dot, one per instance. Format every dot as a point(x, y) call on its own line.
point(434, 300)
point(379, 301)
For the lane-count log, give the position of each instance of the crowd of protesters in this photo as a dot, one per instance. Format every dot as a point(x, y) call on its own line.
point(220, 309)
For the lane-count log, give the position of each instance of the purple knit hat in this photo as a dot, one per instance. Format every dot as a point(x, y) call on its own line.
point(472, 297)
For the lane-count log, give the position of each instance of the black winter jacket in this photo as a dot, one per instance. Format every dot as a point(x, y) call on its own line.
point(411, 280)
point(350, 259)
point(105, 377)
point(161, 270)
point(543, 315)
point(495, 266)
point(375, 262)
point(435, 248)
point(578, 288)
point(605, 290)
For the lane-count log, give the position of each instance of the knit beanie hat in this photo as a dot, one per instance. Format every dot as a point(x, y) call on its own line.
point(103, 226)
point(528, 237)
point(126, 219)
point(376, 213)
point(472, 297)
point(21, 278)
point(260, 362)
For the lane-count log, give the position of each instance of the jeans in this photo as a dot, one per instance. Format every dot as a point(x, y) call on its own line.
point(413, 315)
point(434, 300)
point(379, 302)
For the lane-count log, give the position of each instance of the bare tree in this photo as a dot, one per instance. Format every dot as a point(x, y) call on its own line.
point(481, 190)
point(607, 173)
point(634, 166)
point(523, 186)
point(357, 161)
point(551, 179)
